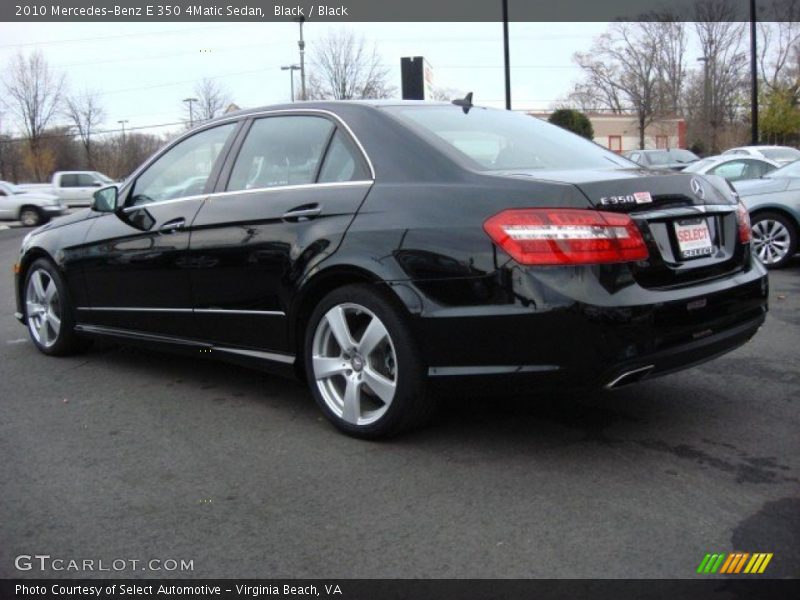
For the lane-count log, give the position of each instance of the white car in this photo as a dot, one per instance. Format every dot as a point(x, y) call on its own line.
point(733, 167)
point(31, 208)
point(782, 155)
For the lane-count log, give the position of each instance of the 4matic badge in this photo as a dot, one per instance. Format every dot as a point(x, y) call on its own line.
point(635, 198)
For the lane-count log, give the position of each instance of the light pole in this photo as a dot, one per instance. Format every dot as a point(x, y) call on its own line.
point(122, 122)
point(706, 111)
point(753, 76)
point(190, 102)
point(291, 69)
point(506, 55)
point(302, 46)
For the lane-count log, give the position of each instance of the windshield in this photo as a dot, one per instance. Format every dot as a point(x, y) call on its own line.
point(790, 170)
point(102, 178)
point(781, 153)
point(490, 139)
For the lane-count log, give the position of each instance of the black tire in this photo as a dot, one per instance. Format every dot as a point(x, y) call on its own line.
point(65, 341)
point(410, 405)
point(765, 251)
point(31, 216)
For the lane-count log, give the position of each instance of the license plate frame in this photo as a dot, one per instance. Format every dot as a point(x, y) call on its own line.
point(694, 238)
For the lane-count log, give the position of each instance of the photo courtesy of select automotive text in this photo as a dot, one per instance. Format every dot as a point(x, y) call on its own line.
point(419, 300)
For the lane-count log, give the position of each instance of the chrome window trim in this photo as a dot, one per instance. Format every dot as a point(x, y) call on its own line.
point(267, 313)
point(277, 188)
point(250, 115)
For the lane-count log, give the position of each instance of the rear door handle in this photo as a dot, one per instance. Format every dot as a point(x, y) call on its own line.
point(172, 226)
point(307, 211)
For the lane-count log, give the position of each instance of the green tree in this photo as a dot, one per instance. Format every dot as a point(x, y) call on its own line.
point(780, 116)
point(574, 121)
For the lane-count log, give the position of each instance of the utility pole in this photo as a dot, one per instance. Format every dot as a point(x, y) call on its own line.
point(122, 122)
point(302, 46)
point(753, 77)
point(190, 102)
point(291, 69)
point(506, 55)
point(706, 111)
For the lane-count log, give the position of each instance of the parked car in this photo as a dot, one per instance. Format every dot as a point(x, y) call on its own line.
point(74, 188)
point(29, 208)
point(675, 159)
point(774, 205)
point(782, 155)
point(733, 168)
point(378, 251)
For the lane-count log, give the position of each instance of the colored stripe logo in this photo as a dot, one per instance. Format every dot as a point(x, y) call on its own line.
point(735, 563)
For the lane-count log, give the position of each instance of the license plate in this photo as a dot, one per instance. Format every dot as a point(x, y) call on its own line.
point(694, 238)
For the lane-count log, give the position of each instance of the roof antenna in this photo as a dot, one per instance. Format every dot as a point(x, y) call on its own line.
point(465, 103)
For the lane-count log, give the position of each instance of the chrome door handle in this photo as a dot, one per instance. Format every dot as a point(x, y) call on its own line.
point(302, 212)
point(172, 226)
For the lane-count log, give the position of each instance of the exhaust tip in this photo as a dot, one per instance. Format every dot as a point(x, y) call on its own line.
point(628, 377)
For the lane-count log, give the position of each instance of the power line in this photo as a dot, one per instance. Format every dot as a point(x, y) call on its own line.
point(54, 136)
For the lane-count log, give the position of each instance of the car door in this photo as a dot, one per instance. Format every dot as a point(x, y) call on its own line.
point(134, 260)
point(67, 188)
point(283, 204)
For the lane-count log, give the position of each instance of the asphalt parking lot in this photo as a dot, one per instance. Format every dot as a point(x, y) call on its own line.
point(127, 454)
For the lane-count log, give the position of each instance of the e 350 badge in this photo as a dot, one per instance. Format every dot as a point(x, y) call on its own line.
point(635, 198)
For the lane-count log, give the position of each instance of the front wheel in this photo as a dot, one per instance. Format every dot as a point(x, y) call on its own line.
point(30, 216)
point(48, 311)
point(363, 366)
point(774, 239)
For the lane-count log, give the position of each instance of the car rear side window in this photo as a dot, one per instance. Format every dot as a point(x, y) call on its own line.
point(280, 151)
point(69, 180)
point(342, 162)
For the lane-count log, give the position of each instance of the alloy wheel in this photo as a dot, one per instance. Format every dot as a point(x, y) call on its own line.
point(29, 217)
point(771, 240)
point(43, 308)
point(354, 364)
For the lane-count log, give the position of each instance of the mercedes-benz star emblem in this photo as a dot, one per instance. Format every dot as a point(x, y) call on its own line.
point(698, 188)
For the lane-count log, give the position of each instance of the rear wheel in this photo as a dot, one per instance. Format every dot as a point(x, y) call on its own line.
point(48, 311)
point(363, 365)
point(30, 216)
point(774, 239)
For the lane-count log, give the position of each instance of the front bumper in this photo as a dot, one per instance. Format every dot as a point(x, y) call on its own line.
point(570, 328)
point(55, 211)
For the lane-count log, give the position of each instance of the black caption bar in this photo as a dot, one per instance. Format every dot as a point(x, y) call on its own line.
point(403, 589)
point(376, 11)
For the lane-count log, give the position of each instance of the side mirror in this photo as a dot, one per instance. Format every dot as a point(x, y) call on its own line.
point(105, 200)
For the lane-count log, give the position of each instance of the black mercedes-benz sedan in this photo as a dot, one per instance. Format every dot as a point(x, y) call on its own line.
point(386, 250)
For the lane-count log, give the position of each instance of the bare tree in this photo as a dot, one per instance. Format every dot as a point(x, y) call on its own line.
point(344, 68)
point(724, 63)
point(779, 49)
point(34, 96)
point(670, 54)
point(622, 67)
point(86, 114)
point(212, 98)
point(446, 94)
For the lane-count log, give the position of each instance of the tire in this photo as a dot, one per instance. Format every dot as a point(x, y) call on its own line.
point(774, 239)
point(30, 216)
point(49, 312)
point(374, 388)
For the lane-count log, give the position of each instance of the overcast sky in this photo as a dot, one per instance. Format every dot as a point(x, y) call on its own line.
point(143, 70)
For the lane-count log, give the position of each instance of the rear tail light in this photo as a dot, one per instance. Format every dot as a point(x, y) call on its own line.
point(563, 236)
point(743, 222)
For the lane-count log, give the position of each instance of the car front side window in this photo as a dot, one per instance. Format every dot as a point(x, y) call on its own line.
point(183, 170)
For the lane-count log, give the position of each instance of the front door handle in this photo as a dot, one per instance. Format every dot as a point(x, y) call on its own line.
point(172, 226)
point(302, 213)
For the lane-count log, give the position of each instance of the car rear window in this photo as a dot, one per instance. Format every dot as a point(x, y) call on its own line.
point(490, 139)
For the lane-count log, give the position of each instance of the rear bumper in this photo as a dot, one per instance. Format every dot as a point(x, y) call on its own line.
point(550, 335)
